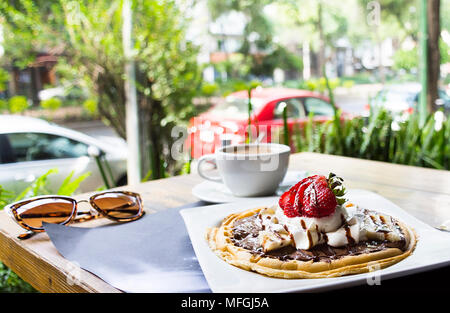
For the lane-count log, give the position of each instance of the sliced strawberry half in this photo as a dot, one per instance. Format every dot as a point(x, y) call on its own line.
point(291, 200)
point(319, 200)
point(314, 196)
point(323, 196)
point(286, 202)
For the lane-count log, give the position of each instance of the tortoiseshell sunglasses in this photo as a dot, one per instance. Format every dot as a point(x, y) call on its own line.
point(119, 206)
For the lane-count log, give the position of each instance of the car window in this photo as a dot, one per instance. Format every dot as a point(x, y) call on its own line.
point(39, 146)
point(295, 108)
point(394, 97)
point(6, 152)
point(318, 107)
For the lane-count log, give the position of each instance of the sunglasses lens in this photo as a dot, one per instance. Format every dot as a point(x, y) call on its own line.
point(118, 205)
point(50, 210)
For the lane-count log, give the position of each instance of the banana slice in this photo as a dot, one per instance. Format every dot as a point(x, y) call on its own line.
point(381, 227)
point(271, 240)
point(362, 225)
point(274, 235)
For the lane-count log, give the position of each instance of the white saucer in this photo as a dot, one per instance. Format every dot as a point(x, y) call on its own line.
point(218, 193)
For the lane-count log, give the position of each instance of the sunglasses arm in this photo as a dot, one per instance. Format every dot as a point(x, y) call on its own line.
point(26, 235)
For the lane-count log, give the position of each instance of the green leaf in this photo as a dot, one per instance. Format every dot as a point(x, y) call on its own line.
point(69, 187)
point(38, 187)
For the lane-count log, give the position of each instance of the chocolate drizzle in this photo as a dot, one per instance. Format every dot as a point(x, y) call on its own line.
point(302, 222)
point(246, 231)
point(263, 227)
point(318, 232)
point(348, 234)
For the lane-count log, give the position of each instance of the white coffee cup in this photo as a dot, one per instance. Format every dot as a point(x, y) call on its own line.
point(249, 170)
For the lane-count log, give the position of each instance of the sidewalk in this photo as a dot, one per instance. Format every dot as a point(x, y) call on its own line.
point(94, 128)
point(59, 115)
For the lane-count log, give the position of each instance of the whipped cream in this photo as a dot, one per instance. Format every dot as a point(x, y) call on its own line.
point(347, 225)
point(310, 231)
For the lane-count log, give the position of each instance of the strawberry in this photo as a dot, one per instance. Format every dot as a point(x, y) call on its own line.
point(314, 196)
point(301, 186)
point(323, 196)
point(319, 200)
point(284, 200)
point(291, 200)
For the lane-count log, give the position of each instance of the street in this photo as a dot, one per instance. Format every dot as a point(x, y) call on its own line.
point(352, 100)
point(96, 129)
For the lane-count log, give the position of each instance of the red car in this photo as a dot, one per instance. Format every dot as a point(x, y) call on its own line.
point(227, 122)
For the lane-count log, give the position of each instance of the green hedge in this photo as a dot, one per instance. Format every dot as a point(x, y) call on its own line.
point(379, 137)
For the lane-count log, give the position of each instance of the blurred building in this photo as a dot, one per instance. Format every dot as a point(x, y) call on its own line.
point(32, 79)
point(218, 40)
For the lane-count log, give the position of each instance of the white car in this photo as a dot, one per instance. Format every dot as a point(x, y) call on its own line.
point(403, 98)
point(29, 147)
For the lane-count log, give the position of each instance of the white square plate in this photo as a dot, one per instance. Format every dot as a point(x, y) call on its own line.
point(432, 250)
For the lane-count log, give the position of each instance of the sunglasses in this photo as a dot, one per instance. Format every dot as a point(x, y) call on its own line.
point(119, 206)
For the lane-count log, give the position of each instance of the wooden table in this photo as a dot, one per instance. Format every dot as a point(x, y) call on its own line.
point(425, 193)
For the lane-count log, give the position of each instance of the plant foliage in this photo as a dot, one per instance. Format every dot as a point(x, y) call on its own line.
point(88, 36)
point(9, 281)
point(379, 137)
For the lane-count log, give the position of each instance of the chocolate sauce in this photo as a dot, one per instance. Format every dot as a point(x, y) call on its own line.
point(302, 222)
point(318, 232)
point(325, 237)
point(290, 235)
point(245, 235)
point(348, 234)
point(261, 220)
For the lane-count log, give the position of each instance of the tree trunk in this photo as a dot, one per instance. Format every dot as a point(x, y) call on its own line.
point(306, 61)
point(433, 55)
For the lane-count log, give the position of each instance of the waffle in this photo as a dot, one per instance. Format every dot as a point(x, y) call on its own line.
point(221, 241)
